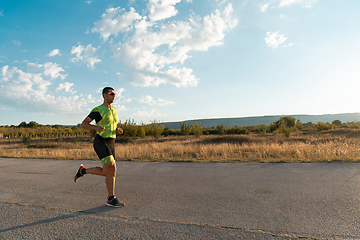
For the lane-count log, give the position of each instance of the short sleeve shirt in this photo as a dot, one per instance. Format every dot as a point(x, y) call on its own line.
point(107, 118)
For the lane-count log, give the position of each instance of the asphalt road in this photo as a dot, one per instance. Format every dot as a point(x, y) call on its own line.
point(39, 200)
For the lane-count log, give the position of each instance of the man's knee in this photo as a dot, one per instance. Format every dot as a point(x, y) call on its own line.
point(110, 167)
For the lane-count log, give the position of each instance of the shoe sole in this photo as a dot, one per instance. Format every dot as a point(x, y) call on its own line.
point(116, 206)
point(75, 178)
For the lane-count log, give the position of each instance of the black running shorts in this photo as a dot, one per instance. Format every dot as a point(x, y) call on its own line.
point(104, 148)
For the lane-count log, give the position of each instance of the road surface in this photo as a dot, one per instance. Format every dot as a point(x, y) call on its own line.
point(174, 200)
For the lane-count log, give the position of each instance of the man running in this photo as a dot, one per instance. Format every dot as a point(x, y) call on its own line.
point(106, 119)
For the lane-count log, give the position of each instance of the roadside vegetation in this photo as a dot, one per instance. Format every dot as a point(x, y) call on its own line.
point(286, 140)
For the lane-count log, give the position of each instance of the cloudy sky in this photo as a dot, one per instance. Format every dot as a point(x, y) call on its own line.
point(174, 60)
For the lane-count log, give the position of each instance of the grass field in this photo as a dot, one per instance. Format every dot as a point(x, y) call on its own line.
point(328, 146)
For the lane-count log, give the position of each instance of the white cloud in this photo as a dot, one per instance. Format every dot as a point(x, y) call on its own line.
point(49, 69)
point(34, 67)
point(304, 3)
point(154, 50)
point(289, 45)
point(85, 54)
point(148, 114)
point(119, 92)
point(274, 39)
point(114, 21)
point(17, 43)
point(88, 2)
point(160, 10)
point(127, 100)
point(121, 108)
point(32, 85)
point(21, 85)
point(149, 100)
point(78, 51)
point(53, 70)
point(54, 53)
point(119, 98)
point(29, 92)
point(66, 86)
point(264, 7)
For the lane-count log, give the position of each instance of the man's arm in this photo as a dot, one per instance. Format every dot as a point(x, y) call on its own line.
point(86, 125)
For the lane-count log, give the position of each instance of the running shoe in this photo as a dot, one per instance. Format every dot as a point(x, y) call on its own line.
point(78, 173)
point(114, 203)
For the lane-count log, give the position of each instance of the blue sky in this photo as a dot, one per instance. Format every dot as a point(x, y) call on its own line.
point(175, 60)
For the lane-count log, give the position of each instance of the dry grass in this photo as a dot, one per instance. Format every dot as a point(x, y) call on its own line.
point(330, 146)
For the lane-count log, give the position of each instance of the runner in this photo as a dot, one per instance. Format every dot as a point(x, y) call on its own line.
point(106, 119)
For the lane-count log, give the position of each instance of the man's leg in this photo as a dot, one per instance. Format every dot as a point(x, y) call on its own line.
point(108, 170)
point(110, 173)
point(95, 171)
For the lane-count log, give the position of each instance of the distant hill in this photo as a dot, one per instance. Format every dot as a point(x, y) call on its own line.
point(250, 121)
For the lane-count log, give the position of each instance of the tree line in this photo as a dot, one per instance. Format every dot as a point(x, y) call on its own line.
point(285, 126)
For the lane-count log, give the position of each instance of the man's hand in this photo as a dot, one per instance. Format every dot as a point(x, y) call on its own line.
point(100, 128)
point(119, 131)
point(86, 125)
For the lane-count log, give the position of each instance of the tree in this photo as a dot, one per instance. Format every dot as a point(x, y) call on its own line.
point(156, 129)
point(186, 129)
point(299, 125)
point(220, 129)
point(26, 139)
point(23, 124)
point(141, 132)
point(197, 129)
point(129, 127)
point(33, 124)
point(336, 122)
point(285, 126)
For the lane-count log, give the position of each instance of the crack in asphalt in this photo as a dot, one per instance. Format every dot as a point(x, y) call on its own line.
point(83, 212)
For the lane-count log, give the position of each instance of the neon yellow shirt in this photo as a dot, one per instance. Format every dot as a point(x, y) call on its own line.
point(107, 118)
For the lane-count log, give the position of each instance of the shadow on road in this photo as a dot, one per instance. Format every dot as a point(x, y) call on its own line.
point(100, 209)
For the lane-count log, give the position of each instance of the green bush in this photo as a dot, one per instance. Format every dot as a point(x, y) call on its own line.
point(176, 132)
point(284, 126)
point(141, 132)
point(129, 127)
point(26, 139)
point(156, 129)
point(166, 132)
point(197, 129)
point(323, 126)
point(220, 129)
point(230, 130)
point(299, 125)
point(336, 122)
point(351, 125)
point(186, 129)
point(260, 129)
point(241, 130)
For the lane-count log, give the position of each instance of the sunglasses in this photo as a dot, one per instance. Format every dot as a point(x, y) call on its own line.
point(111, 93)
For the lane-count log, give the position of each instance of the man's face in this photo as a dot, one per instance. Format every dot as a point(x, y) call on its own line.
point(109, 96)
